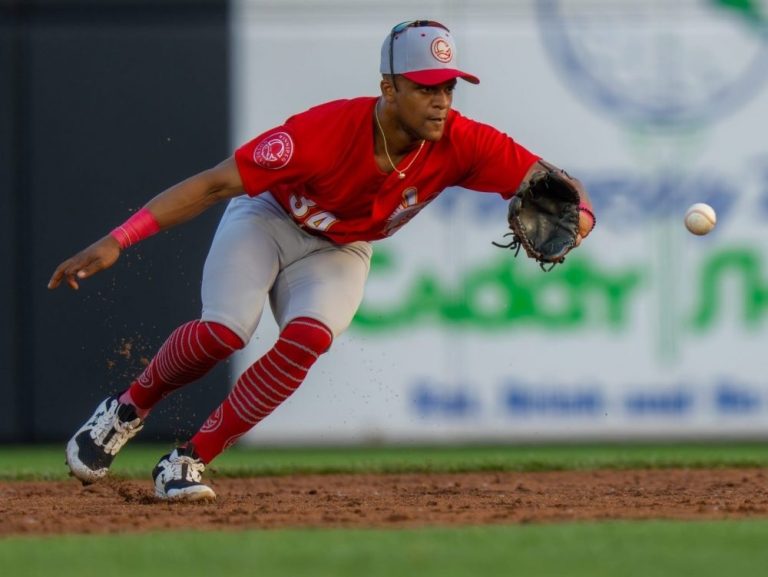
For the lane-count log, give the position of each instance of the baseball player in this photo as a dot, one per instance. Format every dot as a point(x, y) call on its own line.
point(307, 198)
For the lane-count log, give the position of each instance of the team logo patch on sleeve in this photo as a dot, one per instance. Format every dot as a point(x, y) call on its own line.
point(274, 151)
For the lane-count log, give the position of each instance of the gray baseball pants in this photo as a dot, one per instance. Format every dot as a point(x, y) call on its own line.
point(259, 251)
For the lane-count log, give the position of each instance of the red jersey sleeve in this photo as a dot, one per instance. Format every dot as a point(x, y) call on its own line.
point(271, 159)
point(493, 161)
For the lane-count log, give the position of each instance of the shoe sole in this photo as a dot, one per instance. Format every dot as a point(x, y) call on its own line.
point(78, 469)
point(201, 494)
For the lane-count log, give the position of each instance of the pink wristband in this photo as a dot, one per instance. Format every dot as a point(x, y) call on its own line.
point(584, 208)
point(141, 225)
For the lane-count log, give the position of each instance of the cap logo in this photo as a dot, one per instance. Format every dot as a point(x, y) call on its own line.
point(441, 50)
point(274, 151)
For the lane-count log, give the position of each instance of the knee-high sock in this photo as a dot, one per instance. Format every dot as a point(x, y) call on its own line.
point(263, 386)
point(192, 350)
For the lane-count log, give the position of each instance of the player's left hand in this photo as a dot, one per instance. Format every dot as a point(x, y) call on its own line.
point(544, 217)
point(586, 224)
point(586, 216)
point(100, 255)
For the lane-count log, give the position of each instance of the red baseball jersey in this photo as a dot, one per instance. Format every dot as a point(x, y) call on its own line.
point(320, 167)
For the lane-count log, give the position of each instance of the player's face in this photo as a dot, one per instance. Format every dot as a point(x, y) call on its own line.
point(422, 110)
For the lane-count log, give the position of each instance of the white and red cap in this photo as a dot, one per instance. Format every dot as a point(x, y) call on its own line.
point(423, 53)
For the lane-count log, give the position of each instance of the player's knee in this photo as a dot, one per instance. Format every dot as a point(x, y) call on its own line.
point(311, 333)
point(219, 340)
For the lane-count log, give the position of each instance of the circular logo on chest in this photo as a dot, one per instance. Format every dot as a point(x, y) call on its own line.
point(441, 50)
point(274, 151)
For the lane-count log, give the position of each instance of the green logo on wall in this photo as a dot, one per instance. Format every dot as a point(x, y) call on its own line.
point(748, 9)
point(742, 268)
point(505, 294)
point(501, 294)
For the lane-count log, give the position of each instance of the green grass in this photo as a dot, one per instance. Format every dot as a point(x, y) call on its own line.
point(617, 549)
point(19, 463)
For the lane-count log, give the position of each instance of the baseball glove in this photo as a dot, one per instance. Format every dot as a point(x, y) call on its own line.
point(544, 218)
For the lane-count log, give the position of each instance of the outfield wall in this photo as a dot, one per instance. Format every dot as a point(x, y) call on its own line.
point(646, 331)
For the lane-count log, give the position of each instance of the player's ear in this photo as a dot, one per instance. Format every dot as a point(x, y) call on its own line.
point(387, 88)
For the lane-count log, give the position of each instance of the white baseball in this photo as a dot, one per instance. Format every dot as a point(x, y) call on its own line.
point(700, 218)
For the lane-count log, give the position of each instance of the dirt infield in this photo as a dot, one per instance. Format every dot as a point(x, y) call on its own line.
point(397, 500)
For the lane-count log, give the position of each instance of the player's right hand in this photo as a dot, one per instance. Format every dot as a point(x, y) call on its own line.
point(100, 255)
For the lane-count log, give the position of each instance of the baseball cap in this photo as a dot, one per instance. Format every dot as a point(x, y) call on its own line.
point(424, 52)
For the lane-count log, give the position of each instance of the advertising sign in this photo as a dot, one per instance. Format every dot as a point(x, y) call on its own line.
point(646, 330)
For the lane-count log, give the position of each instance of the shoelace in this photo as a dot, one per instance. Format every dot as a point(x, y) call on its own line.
point(194, 471)
point(124, 430)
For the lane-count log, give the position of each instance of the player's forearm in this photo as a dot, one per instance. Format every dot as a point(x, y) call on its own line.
point(181, 202)
point(193, 196)
point(185, 200)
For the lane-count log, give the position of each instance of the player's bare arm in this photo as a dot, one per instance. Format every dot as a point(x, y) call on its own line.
point(193, 196)
point(173, 206)
point(586, 217)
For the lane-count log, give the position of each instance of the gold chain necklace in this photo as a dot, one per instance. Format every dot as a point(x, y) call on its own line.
point(401, 173)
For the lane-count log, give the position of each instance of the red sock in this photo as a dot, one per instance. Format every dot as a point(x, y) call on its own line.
point(192, 350)
point(263, 386)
